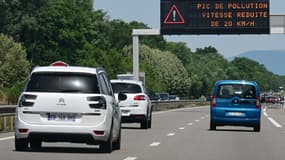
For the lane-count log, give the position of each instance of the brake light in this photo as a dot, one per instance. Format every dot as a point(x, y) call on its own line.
point(139, 98)
point(258, 103)
point(27, 100)
point(59, 63)
point(213, 102)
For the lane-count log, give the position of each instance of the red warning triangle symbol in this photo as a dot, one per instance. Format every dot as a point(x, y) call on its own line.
point(174, 16)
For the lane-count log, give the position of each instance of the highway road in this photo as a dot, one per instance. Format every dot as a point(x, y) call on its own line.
point(181, 134)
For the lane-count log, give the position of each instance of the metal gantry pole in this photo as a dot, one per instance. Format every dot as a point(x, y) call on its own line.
point(136, 33)
point(136, 57)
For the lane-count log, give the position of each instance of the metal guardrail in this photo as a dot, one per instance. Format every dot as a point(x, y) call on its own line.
point(7, 112)
point(7, 117)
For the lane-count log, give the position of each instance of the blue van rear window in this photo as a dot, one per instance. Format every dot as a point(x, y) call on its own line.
point(236, 90)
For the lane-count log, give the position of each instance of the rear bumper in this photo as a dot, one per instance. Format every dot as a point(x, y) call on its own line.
point(247, 122)
point(133, 118)
point(63, 133)
point(251, 117)
point(133, 114)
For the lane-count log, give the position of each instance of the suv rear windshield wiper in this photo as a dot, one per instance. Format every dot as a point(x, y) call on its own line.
point(70, 91)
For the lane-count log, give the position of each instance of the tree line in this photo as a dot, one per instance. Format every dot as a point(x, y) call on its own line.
point(39, 32)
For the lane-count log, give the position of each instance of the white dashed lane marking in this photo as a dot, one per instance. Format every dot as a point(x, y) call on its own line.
point(265, 114)
point(7, 138)
point(154, 144)
point(197, 120)
point(130, 158)
point(170, 134)
point(202, 117)
point(181, 128)
point(190, 124)
point(276, 124)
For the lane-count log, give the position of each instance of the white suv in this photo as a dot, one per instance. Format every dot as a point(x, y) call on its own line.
point(68, 104)
point(137, 107)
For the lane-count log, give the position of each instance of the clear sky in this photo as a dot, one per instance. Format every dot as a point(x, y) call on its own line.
point(148, 12)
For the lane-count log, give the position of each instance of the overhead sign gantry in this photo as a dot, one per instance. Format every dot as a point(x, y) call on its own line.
point(215, 17)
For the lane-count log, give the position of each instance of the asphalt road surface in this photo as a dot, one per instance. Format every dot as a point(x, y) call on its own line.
point(181, 134)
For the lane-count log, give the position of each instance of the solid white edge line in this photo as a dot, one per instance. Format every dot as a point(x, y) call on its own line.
point(265, 114)
point(7, 138)
point(130, 158)
point(276, 124)
point(154, 144)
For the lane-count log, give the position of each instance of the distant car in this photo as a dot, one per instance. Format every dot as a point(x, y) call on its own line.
point(236, 103)
point(173, 98)
point(154, 96)
point(63, 103)
point(270, 99)
point(137, 107)
point(164, 96)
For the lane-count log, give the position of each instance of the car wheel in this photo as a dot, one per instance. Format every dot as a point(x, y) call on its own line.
point(144, 124)
point(212, 126)
point(150, 119)
point(117, 143)
point(107, 146)
point(256, 128)
point(21, 144)
point(36, 144)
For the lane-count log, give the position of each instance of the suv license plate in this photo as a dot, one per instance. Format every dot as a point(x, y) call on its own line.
point(125, 112)
point(61, 117)
point(236, 114)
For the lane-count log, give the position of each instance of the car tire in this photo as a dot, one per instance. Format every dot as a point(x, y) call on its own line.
point(21, 144)
point(150, 119)
point(256, 128)
point(36, 144)
point(212, 126)
point(144, 124)
point(117, 143)
point(107, 147)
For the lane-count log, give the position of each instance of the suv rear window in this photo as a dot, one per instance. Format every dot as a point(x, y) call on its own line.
point(236, 90)
point(63, 82)
point(126, 88)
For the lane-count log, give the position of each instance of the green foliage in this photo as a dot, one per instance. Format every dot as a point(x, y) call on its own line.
point(72, 31)
point(166, 69)
point(10, 95)
point(14, 67)
point(247, 69)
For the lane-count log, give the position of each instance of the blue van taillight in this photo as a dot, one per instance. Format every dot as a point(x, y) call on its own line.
point(258, 103)
point(97, 102)
point(213, 102)
point(27, 100)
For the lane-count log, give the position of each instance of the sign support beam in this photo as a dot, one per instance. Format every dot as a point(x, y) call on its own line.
point(277, 24)
point(136, 33)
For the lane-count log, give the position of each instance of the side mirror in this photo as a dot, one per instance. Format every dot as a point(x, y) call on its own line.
point(122, 96)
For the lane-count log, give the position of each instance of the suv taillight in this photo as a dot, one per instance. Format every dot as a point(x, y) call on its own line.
point(98, 102)
point(258, 103)
point(27, 100)
point(213, 102)
point(139, 98)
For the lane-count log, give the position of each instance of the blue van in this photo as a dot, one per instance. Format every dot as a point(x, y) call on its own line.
point(235, 103)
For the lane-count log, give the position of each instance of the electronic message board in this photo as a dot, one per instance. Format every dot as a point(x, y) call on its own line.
point(214, 17)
